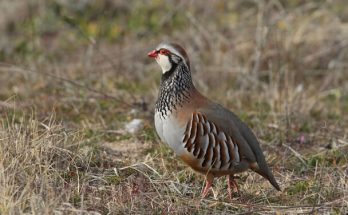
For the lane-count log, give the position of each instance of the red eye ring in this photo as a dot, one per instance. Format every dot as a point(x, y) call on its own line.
point(163, 51)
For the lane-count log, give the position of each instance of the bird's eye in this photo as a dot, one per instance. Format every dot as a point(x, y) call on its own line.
point(163, 51)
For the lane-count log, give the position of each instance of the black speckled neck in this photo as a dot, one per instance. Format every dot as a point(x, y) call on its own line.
point(174, 90)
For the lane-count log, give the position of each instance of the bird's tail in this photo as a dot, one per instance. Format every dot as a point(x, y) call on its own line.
point(269, 176)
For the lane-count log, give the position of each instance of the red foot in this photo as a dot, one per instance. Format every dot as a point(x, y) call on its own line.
point(231, 183)
point(208, 183)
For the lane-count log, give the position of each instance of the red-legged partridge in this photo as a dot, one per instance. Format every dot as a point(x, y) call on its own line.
point(209, 138)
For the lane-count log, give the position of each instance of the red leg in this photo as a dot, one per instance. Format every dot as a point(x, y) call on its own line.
point(208, 182)
point(231, 183)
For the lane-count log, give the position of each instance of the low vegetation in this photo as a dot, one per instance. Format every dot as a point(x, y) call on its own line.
point(73, 75)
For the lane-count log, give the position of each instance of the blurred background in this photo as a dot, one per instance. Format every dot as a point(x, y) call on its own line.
point(74, 76)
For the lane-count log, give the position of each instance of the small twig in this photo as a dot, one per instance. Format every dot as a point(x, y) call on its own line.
point(137, 164)
point(345, 143)
point(152, 169)
point(298, 155)
point(116, 172)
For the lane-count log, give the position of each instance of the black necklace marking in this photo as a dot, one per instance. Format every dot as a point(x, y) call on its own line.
point(174, 90)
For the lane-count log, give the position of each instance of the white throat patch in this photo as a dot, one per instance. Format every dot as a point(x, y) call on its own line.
point(164, 63)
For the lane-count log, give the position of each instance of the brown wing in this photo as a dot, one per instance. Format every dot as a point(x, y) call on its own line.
point(211, 145)
point(249, 147)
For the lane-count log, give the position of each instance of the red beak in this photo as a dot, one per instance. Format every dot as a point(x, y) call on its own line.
point(152, 53)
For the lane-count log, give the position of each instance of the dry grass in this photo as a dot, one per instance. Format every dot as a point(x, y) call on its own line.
point(73, 75)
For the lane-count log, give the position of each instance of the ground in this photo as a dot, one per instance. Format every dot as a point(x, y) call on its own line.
point(73, 75)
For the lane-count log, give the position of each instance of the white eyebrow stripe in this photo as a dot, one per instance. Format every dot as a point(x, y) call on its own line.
point(172, 50)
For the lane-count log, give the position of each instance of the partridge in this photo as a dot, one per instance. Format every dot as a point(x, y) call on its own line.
point(206, 136)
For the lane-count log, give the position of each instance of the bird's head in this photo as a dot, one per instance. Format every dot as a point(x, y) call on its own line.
point(169, 55)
